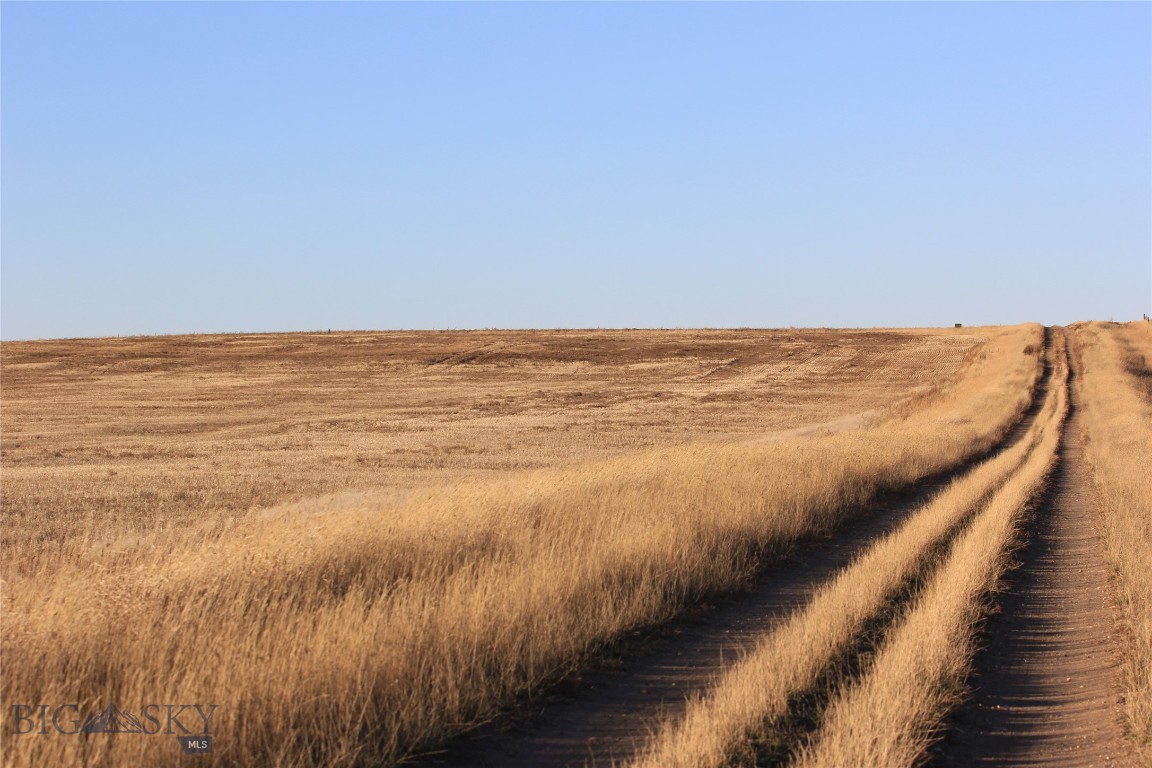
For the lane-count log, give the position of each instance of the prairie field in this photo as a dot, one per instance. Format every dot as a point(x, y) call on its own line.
point(376, 548)
point(106, 440)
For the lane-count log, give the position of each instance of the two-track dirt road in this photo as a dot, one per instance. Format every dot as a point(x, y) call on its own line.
point(1043, 692)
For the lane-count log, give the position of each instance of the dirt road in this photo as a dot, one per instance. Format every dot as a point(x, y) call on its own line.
point(1044, 688)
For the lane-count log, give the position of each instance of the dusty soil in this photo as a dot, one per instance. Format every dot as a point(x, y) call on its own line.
point(1045, 686)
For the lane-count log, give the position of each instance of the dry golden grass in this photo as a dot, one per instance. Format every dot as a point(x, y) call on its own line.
point(747, 709)
point(106, 440)
point(1116, 394)
point(892, 714)
point(363, 626)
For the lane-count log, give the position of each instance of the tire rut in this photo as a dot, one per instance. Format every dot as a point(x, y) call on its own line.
point(604, 715)
point(1045, 690)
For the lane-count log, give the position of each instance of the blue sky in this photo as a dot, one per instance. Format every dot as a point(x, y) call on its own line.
point(193, 167)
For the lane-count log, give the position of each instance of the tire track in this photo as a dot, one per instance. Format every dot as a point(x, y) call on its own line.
point(1045, 683)
point(606, 714)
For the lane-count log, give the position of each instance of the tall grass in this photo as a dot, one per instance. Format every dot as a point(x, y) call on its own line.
point(747, 709)
point(340, 632)
point(1115, 380)
point(891, 716)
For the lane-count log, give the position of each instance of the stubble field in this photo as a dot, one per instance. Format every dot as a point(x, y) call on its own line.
point(359, 546)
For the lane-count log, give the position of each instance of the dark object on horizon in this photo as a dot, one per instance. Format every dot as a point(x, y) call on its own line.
point(959, 325)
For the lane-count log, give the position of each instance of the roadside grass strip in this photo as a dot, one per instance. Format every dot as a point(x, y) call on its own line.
point(1115, 386)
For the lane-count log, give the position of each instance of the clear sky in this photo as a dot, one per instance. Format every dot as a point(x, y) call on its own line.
point(187, 167)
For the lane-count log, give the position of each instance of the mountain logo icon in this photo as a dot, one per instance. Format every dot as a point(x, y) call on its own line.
point(112, 720)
